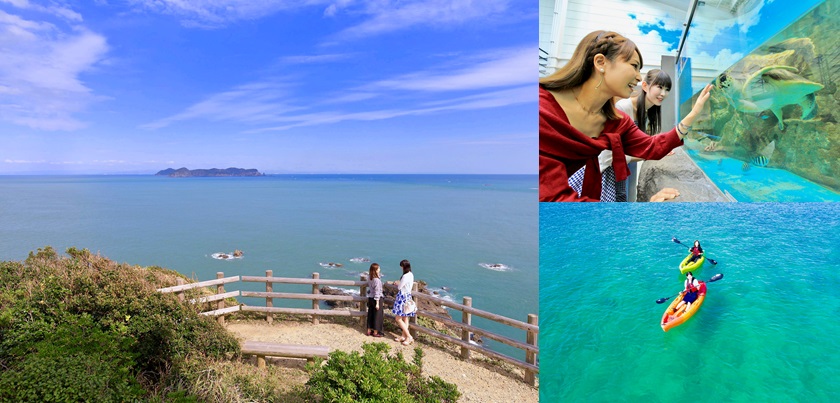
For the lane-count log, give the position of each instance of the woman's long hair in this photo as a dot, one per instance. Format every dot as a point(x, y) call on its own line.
point(374, 267)
point(580, 66)
point(406, 267)
point(650, 120)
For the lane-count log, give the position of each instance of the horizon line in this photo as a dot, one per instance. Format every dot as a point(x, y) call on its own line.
point(266, 174)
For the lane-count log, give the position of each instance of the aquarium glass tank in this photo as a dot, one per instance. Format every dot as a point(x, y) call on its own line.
point(770, 129)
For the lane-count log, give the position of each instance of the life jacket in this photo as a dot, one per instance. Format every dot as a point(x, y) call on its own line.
point(696, 251)
point(690, 286)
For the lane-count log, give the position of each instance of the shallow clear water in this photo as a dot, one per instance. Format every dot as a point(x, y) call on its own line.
point(766, 332)
point(760, 184)
point(446, 225)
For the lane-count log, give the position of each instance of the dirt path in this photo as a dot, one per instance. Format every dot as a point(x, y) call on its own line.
point(478, 381)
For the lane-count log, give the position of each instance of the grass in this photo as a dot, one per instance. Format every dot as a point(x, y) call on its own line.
point(80, 326)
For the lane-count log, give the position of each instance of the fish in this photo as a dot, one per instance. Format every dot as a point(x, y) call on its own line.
point(760, 161)
point(710, 136)
point(746, 167)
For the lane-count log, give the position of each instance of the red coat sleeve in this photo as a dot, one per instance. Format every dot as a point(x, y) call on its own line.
point(640, 144)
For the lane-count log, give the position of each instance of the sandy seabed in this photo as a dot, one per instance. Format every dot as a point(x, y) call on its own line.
point(477, 380)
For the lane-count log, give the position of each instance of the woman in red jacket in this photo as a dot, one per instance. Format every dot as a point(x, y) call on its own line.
point(692, 288)
point(578, 118)
point(696, 251)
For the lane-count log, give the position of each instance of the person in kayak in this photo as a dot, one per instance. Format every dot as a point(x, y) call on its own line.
point(696, 250)
point(692, 286)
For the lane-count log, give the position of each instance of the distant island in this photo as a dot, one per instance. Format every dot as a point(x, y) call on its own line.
point(214, 172)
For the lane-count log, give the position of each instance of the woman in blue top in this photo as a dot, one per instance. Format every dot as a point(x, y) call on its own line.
point(403, 295)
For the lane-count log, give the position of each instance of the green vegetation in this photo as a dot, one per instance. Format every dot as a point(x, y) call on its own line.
point(84, 328)
point(375, 376)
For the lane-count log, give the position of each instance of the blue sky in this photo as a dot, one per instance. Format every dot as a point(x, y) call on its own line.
point(290, 86)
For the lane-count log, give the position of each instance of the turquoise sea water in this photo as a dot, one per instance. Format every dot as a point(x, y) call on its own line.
point(446, 225)
point(768, 331)
point(760, 184)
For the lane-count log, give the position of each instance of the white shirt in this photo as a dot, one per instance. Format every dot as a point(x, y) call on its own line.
point(626, 105)
point(407, 283)
point(694, 282)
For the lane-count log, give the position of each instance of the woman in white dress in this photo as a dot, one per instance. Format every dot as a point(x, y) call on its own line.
point(403, 296)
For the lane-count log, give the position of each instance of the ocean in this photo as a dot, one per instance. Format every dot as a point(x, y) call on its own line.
point(767, 331)
point(465, 235)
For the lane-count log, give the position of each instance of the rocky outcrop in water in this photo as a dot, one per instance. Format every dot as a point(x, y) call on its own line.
point(214, 172)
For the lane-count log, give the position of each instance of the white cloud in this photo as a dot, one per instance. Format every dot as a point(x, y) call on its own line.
point(378, 16)
point(40, 70)
point(506, 80)
point(508, 67)
point(55, 10)
point(9, 161)
point(726, 58)
point(313, 59)
point(334, 8)
point(394, 15)
point(249, 103)
point(218, 13)
point(484, 100)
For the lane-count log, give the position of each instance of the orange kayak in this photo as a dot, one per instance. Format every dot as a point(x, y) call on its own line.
point(672, 319)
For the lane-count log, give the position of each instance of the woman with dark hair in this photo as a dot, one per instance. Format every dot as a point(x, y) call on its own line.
point(403, 296)
point(692, 286)
point(655, 88)
point(696, 251)
point(578, 119)
point(374, 305)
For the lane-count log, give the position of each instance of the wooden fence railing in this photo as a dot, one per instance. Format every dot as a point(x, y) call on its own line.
point(531, 327)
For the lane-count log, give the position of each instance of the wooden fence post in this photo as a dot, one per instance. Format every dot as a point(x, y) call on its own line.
point(315, 291)
point(220, 289)
point(531, 357)
point(363, 294)
point(269, 302)
point(180, 294)
point(466, 318)
point(413, 319)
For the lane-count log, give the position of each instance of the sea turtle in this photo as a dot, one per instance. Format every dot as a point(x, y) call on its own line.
point(771, 87)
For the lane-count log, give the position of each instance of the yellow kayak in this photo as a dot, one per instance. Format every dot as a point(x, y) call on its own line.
point(685, 267)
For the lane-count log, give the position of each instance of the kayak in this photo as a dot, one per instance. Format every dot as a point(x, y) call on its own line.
point(671, 319)
point(685, 267)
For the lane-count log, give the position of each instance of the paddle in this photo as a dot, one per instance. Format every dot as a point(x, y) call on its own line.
point(714, 278)
point(689, 248)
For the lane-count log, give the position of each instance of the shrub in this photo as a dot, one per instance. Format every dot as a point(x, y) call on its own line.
point(375, 376)
point(54, 310)
point(237, 381)
point(76, 362)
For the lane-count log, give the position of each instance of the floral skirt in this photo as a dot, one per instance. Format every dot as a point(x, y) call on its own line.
point(398, 305)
